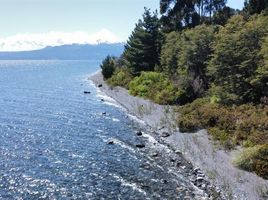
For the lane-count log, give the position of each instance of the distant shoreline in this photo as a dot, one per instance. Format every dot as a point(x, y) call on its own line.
point(195, 147)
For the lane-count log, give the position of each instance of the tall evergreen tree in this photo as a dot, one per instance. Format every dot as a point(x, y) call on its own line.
point(255, 6)
point(144, 44)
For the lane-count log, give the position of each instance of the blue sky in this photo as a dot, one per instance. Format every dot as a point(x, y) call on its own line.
point(90, 16)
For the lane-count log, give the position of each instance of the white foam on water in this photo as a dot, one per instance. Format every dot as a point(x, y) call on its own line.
point(115, 119)
point(122, 144)
point(133, 117)
point(125, 183)
point(112, 104)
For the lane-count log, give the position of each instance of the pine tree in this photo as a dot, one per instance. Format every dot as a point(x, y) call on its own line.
point(144, 45)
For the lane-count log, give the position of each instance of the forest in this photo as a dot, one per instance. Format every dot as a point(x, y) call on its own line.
point(210, 62)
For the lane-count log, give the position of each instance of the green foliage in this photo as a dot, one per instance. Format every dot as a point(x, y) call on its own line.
point(121, 77)
point(255, 6)
point(108, 67)
point(154, 86)
point(244, 124)
point(179, 14)
point(143, 46)
point(223, 15)
point(254, 159)
point(234, 64)
point(184, 58)
point(261, 80)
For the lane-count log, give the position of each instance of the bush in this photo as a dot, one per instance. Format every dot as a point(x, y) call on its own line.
point(254, 159)
point(108, 67)
point(121, 77)
point(245, 124)
point(154, 86)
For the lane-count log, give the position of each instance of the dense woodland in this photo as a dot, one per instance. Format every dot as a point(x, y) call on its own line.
point(211, 62)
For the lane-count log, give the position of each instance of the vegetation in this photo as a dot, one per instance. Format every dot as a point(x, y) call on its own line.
point(254, 159)
point(212, 62)
point(108, 67)
point(121, 77)
point(154, 86)
point(143, 46)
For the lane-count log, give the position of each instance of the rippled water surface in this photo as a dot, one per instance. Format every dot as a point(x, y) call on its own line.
point(53, 138)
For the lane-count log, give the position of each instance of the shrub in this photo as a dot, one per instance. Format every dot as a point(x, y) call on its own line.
point(254, 159)
point(121, 77)
point(154, 86)
point(245, 124)
point(108, 67)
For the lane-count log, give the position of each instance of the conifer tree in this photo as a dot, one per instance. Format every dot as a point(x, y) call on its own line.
point(144, 44)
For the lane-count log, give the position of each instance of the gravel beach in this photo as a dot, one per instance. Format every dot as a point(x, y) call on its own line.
point(197, 148)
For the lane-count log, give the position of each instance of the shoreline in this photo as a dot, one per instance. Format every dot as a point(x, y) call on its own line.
point(196, 148)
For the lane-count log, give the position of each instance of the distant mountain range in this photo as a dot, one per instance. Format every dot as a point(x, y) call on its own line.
point(67, 52)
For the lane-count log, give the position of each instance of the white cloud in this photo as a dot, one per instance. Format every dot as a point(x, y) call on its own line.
point(29, 41)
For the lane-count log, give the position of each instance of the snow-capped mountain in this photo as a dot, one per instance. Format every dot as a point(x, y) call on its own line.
point(34, 41)
point(67, 52)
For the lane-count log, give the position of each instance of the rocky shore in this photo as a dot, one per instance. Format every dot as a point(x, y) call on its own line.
point(195, 155)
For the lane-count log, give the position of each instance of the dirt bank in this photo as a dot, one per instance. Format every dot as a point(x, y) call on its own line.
point(197, 148)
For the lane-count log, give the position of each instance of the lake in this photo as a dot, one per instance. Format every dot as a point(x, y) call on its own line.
point(54, 138)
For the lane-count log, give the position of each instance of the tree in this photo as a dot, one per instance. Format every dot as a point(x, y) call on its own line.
point(108, 67)
point(261, 81)
point(184, 59)
point(221, 16)
point(234, 63)
point(144, 45)
point(255, 6)
point(177, 14)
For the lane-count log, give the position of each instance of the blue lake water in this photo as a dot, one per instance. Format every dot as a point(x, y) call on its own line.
point(53, 138)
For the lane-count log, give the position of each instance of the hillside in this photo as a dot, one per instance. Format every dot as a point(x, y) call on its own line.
point(66, 52)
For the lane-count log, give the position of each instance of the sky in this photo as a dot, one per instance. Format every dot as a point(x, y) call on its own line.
point(33, 24)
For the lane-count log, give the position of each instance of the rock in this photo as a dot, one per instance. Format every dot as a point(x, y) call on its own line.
point(187, 198)
point(178, 151)
point(201, 175)
point(196, 169)
point(180, 189)
point(165, 181)
point(87, 92)
point(140, 145)
point(154, 154)
point(102, 100)
point(147, 167)
point(110, 142)
point(165, 134)
point(100, 85)
point(104, 113)
point(172, 159)
point(199, 179)
point(160, 128)
point(139, 133)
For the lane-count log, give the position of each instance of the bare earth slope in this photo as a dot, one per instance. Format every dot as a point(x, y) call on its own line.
point(195, 147)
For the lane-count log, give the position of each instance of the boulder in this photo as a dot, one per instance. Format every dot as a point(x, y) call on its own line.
point(139, 133)
point(154, 154)
point(165, 134)
point(87, 92)
point(140, 145)
point(110, 142)
point(100, 85)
